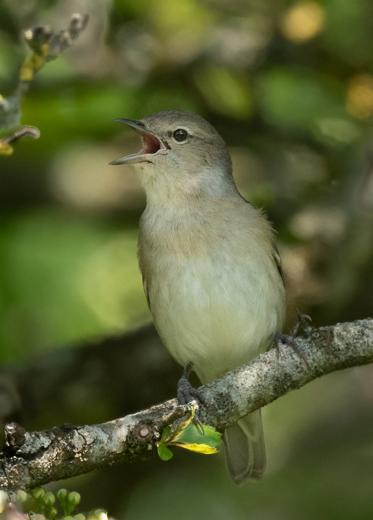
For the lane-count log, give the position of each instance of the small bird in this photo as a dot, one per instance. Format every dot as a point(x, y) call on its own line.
point(210, 267)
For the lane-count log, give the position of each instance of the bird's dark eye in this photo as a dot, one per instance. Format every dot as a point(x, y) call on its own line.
point(180, 135)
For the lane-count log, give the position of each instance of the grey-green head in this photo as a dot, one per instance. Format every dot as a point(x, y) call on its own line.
point(178, 148)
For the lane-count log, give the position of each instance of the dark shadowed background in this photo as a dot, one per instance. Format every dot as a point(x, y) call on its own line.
point(290, 87)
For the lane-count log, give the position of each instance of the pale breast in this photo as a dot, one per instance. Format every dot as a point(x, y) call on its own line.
point(214, 291)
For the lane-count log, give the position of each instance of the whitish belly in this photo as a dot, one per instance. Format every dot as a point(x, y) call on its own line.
point(215, 316)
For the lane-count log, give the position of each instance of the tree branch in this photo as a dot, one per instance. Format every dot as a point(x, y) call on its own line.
point(31, 459)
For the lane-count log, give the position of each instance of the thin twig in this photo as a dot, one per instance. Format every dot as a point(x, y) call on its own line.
point(45, 45)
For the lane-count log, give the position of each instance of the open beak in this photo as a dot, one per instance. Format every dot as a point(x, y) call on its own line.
point(151, 144)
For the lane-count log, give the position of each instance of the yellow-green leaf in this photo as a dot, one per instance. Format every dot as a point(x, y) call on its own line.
point(184, 433)
point(203, 449)
point(193, 435)
point(5, 148)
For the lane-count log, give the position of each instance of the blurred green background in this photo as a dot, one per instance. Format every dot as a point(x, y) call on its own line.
point(290, 87)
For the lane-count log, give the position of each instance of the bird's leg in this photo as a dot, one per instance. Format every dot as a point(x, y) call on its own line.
point(187, 393)
point(303, 324)
point(185, 390)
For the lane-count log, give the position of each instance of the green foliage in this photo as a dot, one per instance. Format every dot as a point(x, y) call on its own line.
point(80, 261)
point(311, 96)
point(226, 90)
point(349, 31)
point(61, 505)
point(51, 506)
point(202, 439)
point(164, 452)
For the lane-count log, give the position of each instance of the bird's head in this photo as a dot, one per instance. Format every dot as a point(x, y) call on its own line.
point(181, 153)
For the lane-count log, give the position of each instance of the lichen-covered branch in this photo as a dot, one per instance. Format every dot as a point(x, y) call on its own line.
point(31, 459)
point(45, 45)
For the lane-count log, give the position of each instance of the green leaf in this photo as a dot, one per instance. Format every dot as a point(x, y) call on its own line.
point(51, 513)
point(206, 442)
point(164, 453)
point(202, 449)
point(73, 499)
point(184, 433)
point(62, 494)
point(189, 437)
point(22, 496)
point(166, 436)
point(49, 498)
point(38, 493)
point(79, 516)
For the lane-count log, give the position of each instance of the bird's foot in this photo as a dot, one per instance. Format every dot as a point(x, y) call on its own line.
point(302, 326)
point(185, 390)
point(187, 393)
point(281, 340)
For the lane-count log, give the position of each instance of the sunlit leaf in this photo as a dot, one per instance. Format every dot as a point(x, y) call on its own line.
point(5, 148)
point(202, 449)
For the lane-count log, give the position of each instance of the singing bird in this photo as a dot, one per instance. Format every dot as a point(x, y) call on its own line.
point(210, 267)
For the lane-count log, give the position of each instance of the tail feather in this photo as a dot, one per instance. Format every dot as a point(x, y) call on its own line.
point(245, 448)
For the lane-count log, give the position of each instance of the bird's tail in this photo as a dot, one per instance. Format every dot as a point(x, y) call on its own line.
point(245, 449)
